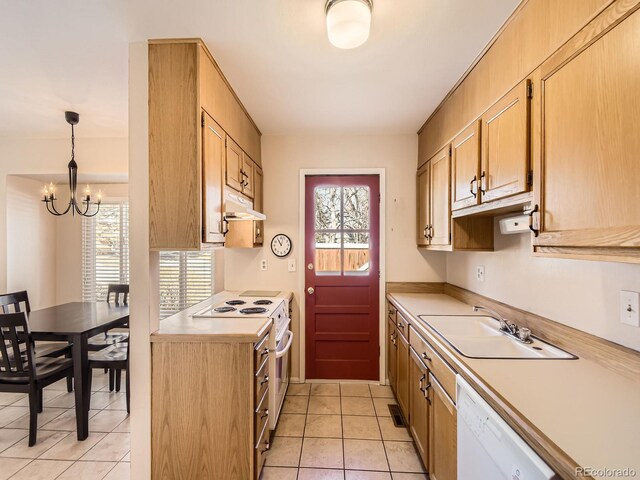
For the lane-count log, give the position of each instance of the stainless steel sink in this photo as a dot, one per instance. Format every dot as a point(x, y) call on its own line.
point(477, 336)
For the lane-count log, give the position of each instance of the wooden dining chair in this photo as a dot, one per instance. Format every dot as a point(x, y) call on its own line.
point(17, 302)
point(120, 294)
point(114, 358)
point(21, 371)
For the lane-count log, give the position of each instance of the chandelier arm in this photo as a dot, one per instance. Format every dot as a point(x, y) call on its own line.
point(94, 213)
point(53, 210)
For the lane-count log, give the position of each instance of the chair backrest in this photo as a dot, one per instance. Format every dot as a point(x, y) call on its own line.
point(15, 302)
point(16, 347)
point(118, 289)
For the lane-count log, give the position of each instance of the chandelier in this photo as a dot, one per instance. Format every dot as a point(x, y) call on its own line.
point(49, 193)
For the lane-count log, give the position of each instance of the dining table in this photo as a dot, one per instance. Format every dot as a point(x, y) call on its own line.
point(76, 322)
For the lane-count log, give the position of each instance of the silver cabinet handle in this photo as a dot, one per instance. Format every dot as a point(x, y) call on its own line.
point(310, 290)
point(264, 380)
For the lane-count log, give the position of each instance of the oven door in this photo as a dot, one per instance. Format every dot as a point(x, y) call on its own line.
point(280, 376)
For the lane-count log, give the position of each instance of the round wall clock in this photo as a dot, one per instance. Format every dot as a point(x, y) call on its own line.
point(281, 245)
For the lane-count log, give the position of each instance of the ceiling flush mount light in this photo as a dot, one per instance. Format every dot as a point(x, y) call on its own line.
point(49, 193)
point(348, 22)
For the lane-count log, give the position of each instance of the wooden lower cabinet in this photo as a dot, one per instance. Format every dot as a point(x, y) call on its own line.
point(402, 381)
point(209, 409)
point(443, 423)
point(392, 353)
point(418, 406)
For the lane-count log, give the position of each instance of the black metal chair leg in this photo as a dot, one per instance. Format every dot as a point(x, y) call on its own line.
point(111, 379)
point(118, 379)
point(33, 416)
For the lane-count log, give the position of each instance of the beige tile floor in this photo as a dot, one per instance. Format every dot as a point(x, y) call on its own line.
point(342, 432)
point(57, 453)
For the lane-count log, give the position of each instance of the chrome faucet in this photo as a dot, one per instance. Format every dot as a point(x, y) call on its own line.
point(521, 334)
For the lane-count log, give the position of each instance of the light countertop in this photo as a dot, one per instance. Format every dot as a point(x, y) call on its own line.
point(183, 327)
point(588, 411)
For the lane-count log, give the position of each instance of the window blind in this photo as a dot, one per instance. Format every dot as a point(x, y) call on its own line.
point(186, 278)
point(105, 253)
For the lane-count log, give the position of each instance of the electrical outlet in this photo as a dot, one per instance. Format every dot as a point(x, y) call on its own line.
point(630, 308)
point(291, 264)
point(480, 273)
point(263, 264)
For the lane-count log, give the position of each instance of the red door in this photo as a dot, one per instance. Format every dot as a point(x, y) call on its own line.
point(342, 274)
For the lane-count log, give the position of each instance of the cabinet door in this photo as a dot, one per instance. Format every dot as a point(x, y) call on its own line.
point(424, 205)
point(233, 165)
point(212, 180)
point(247, 176)
point(506, 145)
point(402, 380)
point(440, 231)
point(392, 354)
point(588, 143)
point(465, 166)
point(418, 410)
point(443, 424)
point(258, 204)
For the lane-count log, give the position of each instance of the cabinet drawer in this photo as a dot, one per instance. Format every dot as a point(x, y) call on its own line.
point(435, 363)
point(261, 416)
point(391, 312)
point(261, 352)
point(261, 448)
point(403, 326)
point(262, 380)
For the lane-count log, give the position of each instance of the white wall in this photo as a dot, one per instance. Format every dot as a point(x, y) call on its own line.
point(283, 157)
point(31, 243)
point(581, 294)
point(22, 156)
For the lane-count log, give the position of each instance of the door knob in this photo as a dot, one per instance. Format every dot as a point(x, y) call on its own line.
point(310, 266)
point(310, 290)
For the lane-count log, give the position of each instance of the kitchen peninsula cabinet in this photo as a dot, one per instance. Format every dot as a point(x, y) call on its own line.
point(588, 179)
point(217, 388)
point(193, 112)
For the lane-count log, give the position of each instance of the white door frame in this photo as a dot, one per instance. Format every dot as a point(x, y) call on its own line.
point(380, 172)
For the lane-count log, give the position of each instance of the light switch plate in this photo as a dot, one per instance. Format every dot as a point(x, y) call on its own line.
point(630, 308)
point(291, 264)
point(263, 264)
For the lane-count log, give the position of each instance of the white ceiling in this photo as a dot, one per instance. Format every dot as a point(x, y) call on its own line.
point(72, 54)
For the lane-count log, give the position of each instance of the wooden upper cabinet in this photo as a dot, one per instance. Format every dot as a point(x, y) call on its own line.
point(174, 148)
point(506, 145)
point(247, 176)
point(587, 139)
point(465, 166)
point(186, 149)
point(424, 205)
point(233, 165)
point(440, 166)
point(249, 234)
point(213, 154)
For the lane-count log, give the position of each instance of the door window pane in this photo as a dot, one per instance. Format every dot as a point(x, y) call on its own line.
point(356, 208)
point(328, 253)
point(342, 223)
point(356, 253)
point(328, 208)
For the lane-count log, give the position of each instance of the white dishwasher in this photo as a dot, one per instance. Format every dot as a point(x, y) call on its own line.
point(488, 448)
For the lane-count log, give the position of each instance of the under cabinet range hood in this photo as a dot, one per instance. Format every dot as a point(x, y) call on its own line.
point(237, 208)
